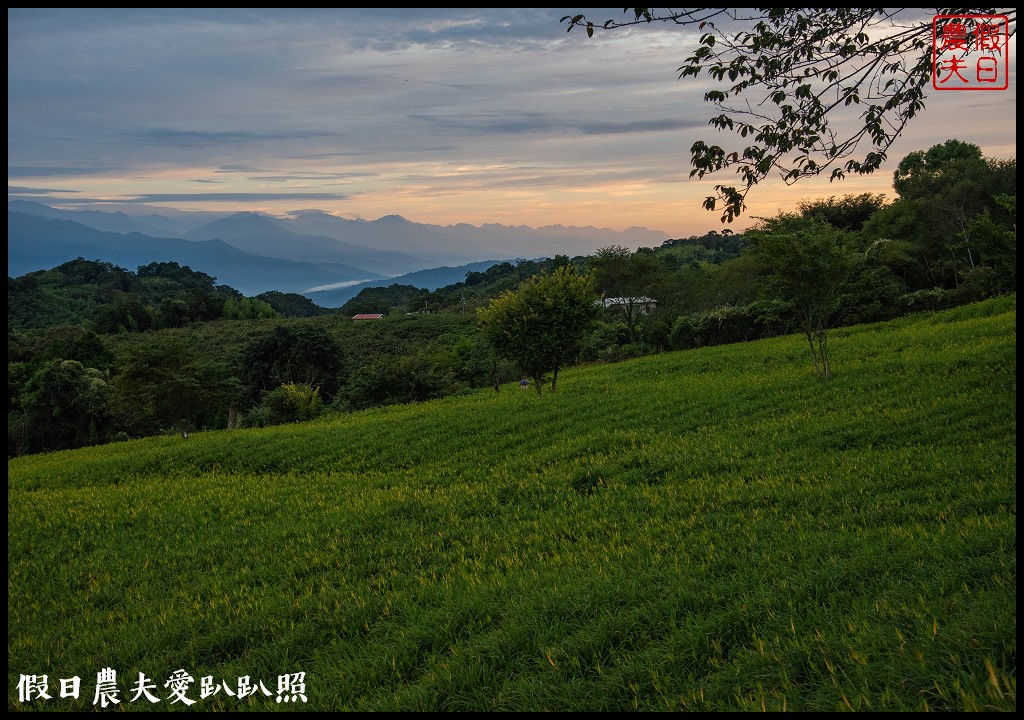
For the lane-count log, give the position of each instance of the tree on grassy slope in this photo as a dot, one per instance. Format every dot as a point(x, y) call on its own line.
point(805, 264)
point(299, 353)
point(63, 405)
point(942, 191)
point(542, 325)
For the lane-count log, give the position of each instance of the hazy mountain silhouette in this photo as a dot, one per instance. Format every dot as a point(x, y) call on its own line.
point(266, 236)
point(393, 232)
point(120, 222)
point(431, 279)
point(463, 243)
point(307, 249)
point(35, 243)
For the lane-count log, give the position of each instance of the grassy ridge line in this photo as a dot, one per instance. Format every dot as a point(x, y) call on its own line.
point(710, 529)
point(676, 392)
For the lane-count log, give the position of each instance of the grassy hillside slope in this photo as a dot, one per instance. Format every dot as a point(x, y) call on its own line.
point(713, 529)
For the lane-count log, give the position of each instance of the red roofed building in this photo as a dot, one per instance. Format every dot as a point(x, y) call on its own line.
point(368, 316)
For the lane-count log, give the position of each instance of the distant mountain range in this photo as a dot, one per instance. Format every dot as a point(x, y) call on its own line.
point(324, 257)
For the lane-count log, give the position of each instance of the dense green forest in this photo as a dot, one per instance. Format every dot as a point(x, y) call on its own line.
point(98, 353)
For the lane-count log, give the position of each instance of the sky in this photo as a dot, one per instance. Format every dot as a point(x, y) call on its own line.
point(440, 115)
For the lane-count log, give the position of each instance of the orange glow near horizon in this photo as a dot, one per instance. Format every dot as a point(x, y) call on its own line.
point(441, 194)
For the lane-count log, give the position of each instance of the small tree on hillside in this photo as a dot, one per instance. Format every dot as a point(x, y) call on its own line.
point(542, 325)
point(628, 277)
point(301, 353)
point(805, 264)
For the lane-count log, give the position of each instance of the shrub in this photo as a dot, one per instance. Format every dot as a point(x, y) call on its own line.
point(289, 403)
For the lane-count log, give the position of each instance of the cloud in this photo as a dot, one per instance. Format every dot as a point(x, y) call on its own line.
point(529, 123)
point(165, 137)
point(226, 197)
point(238, 169)
point(336, 286)
point(298, 175)
point(16, 190)
point(55, 171)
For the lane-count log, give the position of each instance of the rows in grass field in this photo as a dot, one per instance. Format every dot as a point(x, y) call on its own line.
point(713, 529)
point(891, 389)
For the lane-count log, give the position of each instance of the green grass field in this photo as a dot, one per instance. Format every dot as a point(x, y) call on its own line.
point(714, 529)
